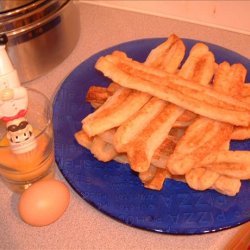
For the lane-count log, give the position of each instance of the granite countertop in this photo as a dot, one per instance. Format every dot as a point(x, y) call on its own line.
point(82, 226)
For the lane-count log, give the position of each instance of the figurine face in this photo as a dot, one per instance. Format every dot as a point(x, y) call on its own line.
point(19, 130)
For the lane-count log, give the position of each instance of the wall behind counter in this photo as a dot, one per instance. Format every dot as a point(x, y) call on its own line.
point(227, 15)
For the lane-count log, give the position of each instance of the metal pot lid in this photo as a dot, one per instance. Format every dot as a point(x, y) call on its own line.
point(8, 5)
point(29, 14)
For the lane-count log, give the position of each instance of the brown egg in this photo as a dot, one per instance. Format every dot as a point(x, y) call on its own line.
point(44, 202)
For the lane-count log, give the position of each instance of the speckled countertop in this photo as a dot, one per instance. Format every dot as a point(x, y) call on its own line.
point(82, 226)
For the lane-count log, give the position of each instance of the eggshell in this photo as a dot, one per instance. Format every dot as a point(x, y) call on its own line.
point(44, 202)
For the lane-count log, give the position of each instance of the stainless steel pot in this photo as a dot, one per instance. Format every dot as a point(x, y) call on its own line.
point(41, 34)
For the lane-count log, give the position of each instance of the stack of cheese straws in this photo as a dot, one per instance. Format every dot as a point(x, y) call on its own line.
point(172, 121)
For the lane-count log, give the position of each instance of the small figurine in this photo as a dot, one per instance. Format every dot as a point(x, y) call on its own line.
point(13, 104)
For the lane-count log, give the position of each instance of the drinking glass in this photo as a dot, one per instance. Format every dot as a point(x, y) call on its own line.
point(18, 169)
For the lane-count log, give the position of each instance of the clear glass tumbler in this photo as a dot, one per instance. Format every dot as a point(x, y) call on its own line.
point(18, 169)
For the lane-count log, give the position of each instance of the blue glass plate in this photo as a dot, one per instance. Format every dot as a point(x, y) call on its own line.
point(113, 188)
